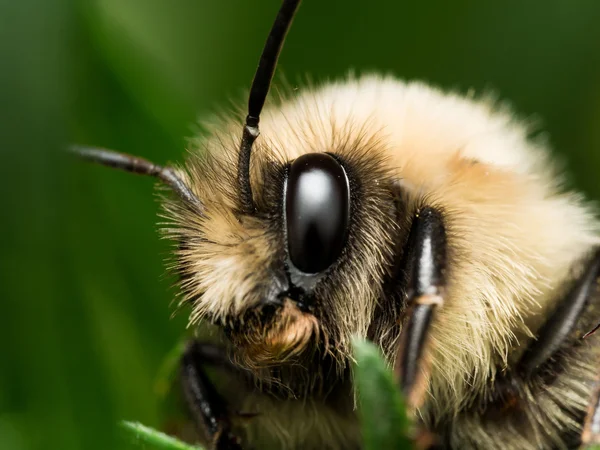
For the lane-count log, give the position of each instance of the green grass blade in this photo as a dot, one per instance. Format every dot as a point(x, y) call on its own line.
point(382, 410)
point(143, 435)
point(168, 370)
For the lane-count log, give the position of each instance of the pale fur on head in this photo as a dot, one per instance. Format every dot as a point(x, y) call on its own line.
point(513, 232)
point(230, 263)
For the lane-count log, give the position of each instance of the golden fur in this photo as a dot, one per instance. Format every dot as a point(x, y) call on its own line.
point(515, 239)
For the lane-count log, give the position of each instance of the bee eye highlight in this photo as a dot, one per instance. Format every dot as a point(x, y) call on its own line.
point(317, 211)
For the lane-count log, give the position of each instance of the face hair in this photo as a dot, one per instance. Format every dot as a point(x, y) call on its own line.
point(258, 94)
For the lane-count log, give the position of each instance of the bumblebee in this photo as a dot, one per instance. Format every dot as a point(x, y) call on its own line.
point(427, 222)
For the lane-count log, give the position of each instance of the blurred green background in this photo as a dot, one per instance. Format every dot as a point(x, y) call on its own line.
point(85, 303)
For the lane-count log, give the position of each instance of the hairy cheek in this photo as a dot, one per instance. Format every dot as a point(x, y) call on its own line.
point(227, 276)
point(291, 332)
point(292, 336)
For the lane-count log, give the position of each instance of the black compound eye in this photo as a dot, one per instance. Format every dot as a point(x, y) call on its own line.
point(317, 211)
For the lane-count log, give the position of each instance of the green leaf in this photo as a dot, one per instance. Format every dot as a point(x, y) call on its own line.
point(382, 411)
point(143, 435)
point(168, 370)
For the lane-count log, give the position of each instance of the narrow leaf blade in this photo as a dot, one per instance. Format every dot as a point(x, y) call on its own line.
point(143, 435)
point(382, 411)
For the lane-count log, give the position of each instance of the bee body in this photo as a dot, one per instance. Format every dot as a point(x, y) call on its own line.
point(514, 238)
point(433, 224)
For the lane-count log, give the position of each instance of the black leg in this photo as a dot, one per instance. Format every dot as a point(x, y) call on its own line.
point(567, 328)
point(538, 400)
point(563, 321)
point(207, 406)
point(425, 266)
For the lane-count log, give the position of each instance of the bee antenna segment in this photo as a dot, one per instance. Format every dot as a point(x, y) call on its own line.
point(135, 164)
point(258, 94)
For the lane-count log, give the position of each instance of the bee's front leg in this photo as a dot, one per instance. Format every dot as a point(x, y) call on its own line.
point(425, 271)
point(208, 407)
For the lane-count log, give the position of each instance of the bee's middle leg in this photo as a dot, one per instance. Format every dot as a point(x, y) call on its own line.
point(568, 331)
point(540, 401)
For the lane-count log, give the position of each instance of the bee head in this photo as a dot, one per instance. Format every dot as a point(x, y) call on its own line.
point(284, 243)
point(303, 269)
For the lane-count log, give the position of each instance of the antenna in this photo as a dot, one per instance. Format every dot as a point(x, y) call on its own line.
point(140, 166)
point(258, 94)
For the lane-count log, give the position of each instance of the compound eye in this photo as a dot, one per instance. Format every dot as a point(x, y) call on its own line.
point(317, 211)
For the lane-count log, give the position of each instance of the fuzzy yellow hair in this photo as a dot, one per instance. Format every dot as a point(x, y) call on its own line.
point(514, 236)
